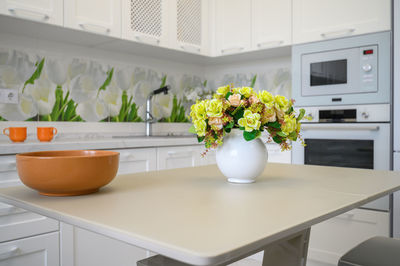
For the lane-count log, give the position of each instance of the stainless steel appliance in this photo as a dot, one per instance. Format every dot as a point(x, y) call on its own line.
point(355, 136)
point(352, 70)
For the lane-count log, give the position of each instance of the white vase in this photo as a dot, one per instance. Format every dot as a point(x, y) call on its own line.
point(239, 160)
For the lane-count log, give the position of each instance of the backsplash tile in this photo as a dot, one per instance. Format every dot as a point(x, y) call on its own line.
point(57, 88)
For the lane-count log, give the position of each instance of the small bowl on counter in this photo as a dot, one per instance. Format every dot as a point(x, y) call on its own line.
point(67, 173)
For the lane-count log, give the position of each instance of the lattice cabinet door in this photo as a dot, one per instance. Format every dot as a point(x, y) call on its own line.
point(145, 21)
point(189, 28)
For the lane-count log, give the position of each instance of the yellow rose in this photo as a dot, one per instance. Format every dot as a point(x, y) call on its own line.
point(223, 90)
point(281, 103)
point(289, 124)
point(235, 90)
point(198, 111)
point(268, 115)
point(200, 126)
point(250, 121)
point(266, 98)
point(214, 108)
point(246, 91)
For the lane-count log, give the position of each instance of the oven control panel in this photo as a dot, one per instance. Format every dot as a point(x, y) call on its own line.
point(368, 67)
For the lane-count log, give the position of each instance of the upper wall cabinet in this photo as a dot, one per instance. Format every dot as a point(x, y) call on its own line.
point(271, 23)
point(99, 16)
point(315, 20)
point(145, 21)
point(188, 25)
point(233, 26)
point(48, 11)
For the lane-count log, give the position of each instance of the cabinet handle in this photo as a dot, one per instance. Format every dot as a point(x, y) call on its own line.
point(10, 210)
point(231, 50)
point(94, 27)
point(269, 44)
point(190, 48)
point(337, 33)
point(127, 158)
point(147, 39)
point(338, 127)
point(27, 13)
point(8, 252)
point(174, 153)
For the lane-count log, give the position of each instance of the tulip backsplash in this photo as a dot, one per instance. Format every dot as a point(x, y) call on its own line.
point(59, 89)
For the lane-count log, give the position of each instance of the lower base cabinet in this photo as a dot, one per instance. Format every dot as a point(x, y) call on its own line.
point(33, 251)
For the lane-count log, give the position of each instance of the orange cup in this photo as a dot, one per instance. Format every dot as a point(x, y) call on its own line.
point(16, 134)
point(46, 133)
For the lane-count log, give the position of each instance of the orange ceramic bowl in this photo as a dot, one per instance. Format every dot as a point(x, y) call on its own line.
point(67, 173)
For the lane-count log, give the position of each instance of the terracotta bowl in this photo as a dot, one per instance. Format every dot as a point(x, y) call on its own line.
point(67, 173)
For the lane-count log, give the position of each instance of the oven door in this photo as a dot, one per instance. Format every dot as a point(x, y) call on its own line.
point(347, 145)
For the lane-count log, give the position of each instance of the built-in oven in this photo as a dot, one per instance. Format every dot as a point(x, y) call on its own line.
point(347, 136)
point(352, 70)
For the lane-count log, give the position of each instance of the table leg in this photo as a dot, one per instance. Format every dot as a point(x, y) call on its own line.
point(291, 251)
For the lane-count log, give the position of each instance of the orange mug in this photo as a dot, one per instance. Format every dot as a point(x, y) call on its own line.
point(16, 134)
point(46, 133)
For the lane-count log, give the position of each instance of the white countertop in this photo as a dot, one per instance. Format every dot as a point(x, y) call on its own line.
point(196, 216)
point(8, 147)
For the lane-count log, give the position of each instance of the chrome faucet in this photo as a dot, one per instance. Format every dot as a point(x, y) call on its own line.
point(149, 117)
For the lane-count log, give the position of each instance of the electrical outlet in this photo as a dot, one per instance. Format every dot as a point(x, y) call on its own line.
point(8, 96)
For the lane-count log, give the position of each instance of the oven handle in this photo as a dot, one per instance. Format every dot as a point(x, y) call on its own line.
point(340, 127)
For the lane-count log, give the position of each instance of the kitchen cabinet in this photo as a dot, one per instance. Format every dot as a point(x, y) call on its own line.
point(8, 171)
point(50, 11)
point(178, 157)
point(188, 25)
point(315, 20)
point(145, 21)
point(137, 160)
point(271, 23)
point(275, 155)
point(98, 16)
point(33, 251)
point(233, 26)
point(331, 239)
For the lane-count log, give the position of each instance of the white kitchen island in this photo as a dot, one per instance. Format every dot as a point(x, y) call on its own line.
point(194, 215)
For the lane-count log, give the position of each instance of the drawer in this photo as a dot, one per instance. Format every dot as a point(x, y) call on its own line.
point(18, 223)
point(33, 251)
point(136, 160)
point(331, 239)
point(275, 155)
point(178, 157)
point(8, 171)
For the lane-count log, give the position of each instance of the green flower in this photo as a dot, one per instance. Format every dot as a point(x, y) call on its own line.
point(201, 127)
point(223, 90)
point(266, 98)
point(246, 91)
point(289, 124)
point(281, 103)
point(250, 121)
point(198, 111)
point(214, 108)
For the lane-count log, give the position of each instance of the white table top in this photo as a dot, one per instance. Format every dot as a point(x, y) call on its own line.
point(196, 216)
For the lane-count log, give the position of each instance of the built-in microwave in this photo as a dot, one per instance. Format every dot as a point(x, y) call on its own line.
point(352, 70)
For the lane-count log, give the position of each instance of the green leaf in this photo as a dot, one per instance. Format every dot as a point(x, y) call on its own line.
point(238, 113)
point(107, 81)
point(192, 129)
point(250, 135)
point(163, 81)
point(280, 133)
point(205, 84)
point(301, 114)
point(253, 81)
point(241, 128)
point(293, 136)
point(277, 139)
point(35, 75)
point(200, 139)
point(228, 94)
point(228, 130)
point(274, 124)
point(229, 125)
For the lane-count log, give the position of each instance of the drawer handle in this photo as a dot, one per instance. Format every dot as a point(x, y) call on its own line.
point(337, 33)
point(147, 39)
point(94, 27)
point(339, 127)
point(270, 44)
point(9, 210)
point(231, 50)
point(127, 158)
point(174, 153)
point(8, 252)
point(30, 14)
point(190, 48)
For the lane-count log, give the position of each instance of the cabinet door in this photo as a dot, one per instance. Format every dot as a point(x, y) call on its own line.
point(8, 171)
point(271, 23)
point(137, 160)
point(331, 239)
point(145, 21)
point(189, 26)
point(233, 26)
point(48, 11)
point(275, 155)
point(178, 157)
point(315, 20)
point(98, 16)
point(33, 251)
